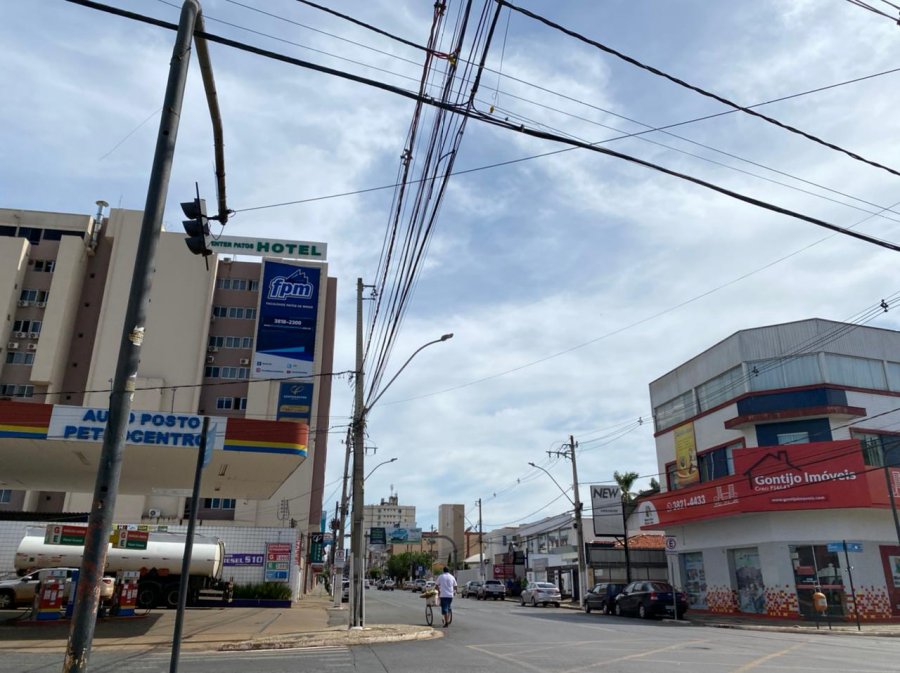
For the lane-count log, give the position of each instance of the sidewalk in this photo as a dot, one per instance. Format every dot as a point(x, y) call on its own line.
point(306, 624)
point(781, 625)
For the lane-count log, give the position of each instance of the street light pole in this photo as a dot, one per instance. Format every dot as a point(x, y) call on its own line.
point(377, 466)
point(358, 426)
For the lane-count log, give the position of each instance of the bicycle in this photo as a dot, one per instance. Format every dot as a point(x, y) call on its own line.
point(431, 601)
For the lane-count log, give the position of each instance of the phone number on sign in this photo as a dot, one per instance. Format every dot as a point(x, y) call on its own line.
point(681, 503)
point(287, 321)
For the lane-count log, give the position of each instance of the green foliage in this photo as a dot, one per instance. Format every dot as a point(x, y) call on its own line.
point(626, 480)
point(402, 566)
point(264, 590)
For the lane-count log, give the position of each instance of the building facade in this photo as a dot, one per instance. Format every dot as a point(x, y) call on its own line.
point(389, 513)
point(65, 281)
point(780, 448)
point(451, 524)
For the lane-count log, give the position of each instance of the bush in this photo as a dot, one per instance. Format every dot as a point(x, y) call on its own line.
point(263, 590)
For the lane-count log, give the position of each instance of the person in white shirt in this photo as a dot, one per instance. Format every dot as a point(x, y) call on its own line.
point(446, 586)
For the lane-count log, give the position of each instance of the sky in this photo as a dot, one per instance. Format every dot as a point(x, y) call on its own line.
point(569, 281)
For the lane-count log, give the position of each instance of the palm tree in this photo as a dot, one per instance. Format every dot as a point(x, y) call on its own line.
point(626, 480)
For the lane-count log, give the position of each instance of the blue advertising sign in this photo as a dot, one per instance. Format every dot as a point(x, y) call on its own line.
point(295, 402)
point(286, 325)
point(856, 547)
point(244, 559)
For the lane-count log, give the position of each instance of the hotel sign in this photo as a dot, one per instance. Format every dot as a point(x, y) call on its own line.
point(269, 247)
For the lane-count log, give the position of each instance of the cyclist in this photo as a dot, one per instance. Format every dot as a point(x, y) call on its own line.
point(446, 586)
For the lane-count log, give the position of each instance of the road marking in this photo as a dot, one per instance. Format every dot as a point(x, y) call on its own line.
point(639, 655)
point(506, 657)
point(750, 665)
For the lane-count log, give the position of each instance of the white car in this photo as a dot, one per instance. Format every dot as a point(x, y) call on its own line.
point(540, 593)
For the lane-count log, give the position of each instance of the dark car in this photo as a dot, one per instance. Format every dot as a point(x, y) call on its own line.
point(648, 599)
point(602, 597)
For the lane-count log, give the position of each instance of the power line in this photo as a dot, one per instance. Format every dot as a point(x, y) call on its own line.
point(865, 5)
point(694, 88)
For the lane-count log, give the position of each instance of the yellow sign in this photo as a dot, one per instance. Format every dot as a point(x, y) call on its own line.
point(686, 471)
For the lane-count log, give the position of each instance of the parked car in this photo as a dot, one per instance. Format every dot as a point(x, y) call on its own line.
point(602, 597)
point(387, 585)
point(648, 599)
point(470, 589)
point(20, 591)
point(542, 593)
point(418, 585)
point(491, 589)
point(429, 586)
point(345, 591)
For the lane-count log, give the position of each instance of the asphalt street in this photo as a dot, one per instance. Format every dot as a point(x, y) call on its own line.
point(503, 637)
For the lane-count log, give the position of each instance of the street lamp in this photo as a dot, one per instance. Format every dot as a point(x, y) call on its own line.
point(377, 466)
point(361, 410)
point(579, 533)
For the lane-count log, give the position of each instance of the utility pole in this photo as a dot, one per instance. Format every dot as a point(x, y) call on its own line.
point(106, 487)
point(579, 531)
point(359, 431)
point(339, 536)
point(480, 544)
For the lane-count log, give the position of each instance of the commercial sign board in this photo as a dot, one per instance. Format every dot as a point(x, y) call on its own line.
point(377, 537)
point(504, 571)
point(145, 428)
point(286, 324)
point(821, 475)
point(295, 402)
point(606, 504)
point(242, 559)
point(316, 547)
point(266, 247)
point(127, 537)
point(340, 556)
point(404, 535)
point(856, 547)
point(686, 468)
point(278, 562)
point(69, 535)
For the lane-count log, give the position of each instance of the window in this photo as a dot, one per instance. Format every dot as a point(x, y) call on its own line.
point(878, 449)
point(45, 265)
point(33, 295)
point(786, 372)
point(217, 341)
point(220, 312)
point(674, 411)
point(250, 313)
point(856, 372)
point(720, 389)
point(792, 438)
point(219, 503)
point(19, 358)
point(236, 312)
point(254, 285)
point(33, 235)
point(14, 390)
point(231, 403)
point(211, 372)
point(247, 342)
point(234, 372)
point(27, 326)
point(232, 283)
point(717, 463)
point(5, 496)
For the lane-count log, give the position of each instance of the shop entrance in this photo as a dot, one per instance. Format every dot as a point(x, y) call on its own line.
point(816, 568)
point(890, 559)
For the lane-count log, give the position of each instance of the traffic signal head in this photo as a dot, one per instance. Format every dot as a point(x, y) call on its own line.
point(196, 227)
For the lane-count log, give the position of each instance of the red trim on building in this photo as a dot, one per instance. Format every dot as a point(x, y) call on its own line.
point(768, 417)
point(25, 413)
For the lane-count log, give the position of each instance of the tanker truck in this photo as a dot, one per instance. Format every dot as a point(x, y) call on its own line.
point(159, 564)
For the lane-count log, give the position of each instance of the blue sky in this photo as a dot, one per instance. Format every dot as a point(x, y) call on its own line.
point(570, 281)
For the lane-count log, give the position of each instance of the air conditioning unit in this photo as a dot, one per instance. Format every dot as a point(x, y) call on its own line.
point(245, 361)
point(12, 345)
point(32, 347)
point(154, 513)
point(34, 335)
point(23, 302)
point(212, 349)
point(40, 304)
point(210, 359)
point(20, 335)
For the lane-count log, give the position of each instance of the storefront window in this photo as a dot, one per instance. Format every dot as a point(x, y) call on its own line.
point(816, 568)
point(748, 580)
point(693, 578)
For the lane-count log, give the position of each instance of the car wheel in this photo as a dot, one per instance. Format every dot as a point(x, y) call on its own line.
point(642, 612)
point(605, 609)
point(556, 605)
point(148, 595)
point(533, 602)
point(618, 610)
point(7, 600)
point(587, 608)
point(522, 601)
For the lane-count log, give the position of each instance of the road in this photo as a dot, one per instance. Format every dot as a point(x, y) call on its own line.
point(506, 638)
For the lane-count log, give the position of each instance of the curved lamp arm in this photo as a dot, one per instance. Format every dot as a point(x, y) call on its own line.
point(377, 466)
point(554, 481)
point(369, 406)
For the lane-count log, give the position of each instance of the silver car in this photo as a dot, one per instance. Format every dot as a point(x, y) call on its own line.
point(540, 593)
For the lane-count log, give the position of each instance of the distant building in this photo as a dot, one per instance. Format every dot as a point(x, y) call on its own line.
point(389, 513)
point(452, 524)
point(778, 445)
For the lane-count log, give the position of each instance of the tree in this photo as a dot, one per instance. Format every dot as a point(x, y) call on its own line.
point(626, 480)
point(401, 566)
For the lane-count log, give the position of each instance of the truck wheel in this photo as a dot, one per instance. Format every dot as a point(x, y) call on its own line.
point(7, 600)
point(172, 596)
point(148, 596)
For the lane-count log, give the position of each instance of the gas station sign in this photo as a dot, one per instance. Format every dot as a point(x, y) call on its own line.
point(61, 534)
point(278, 562)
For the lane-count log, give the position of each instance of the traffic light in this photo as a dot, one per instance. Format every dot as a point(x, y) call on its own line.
point(197, 227)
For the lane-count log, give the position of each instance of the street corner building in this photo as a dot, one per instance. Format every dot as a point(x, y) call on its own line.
point(780, 448)
point(248, 343)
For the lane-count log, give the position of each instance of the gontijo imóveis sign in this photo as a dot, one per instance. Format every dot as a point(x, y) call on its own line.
point(87, 424)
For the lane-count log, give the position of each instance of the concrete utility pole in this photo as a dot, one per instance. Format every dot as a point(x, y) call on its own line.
point(480, 544)
point(100, 520)
point(339, 536)
point(579, 529)
point(359, 431)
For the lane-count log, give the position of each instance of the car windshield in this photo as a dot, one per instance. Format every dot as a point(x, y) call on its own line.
point(544, 585)
point(659, 586)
